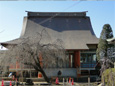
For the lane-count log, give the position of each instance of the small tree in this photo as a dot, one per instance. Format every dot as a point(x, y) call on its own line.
point(103, 45)
point(102, 49)
point(29, 52)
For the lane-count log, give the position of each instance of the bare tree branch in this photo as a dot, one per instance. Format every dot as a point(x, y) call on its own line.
point(32, 52)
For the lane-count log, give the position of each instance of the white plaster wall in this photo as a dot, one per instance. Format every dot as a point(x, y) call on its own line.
point(65, 72)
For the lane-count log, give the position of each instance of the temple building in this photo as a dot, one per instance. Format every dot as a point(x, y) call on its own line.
point(74, 29)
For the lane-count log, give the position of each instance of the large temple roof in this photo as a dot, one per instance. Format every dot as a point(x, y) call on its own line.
point(73, 28)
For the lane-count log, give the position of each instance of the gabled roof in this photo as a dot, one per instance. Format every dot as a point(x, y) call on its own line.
point(74, 29)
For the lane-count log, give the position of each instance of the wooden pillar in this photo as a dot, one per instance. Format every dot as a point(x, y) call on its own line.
point(77, 62)
point(17, 65)
point(40, 59)
point(41, 64)
point(69, 61)
point(77, 59)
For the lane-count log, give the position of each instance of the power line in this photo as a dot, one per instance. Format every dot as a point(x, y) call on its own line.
point(59, 13)
point(2, 31)
point(56, 15)
point(72, 5)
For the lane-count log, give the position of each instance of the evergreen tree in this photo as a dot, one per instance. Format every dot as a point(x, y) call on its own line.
point(106, 33)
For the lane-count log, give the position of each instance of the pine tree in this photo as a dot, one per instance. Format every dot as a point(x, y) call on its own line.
point(106, 33)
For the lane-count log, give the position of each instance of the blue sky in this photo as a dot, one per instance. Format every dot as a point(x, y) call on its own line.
point(12, 13)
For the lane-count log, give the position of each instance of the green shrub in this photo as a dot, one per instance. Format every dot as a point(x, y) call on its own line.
point(109, 77)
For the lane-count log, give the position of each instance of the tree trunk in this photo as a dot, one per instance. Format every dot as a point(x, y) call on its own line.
point(39, 68)
point(44, 75)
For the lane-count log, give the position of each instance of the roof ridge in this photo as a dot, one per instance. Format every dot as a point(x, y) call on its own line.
point(56, 13)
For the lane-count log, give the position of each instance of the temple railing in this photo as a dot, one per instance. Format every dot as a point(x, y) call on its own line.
point(88, 65)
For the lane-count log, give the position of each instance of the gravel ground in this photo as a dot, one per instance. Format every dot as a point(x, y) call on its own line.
point(61, 84)
point(86, 84)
